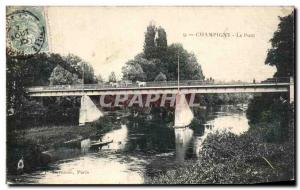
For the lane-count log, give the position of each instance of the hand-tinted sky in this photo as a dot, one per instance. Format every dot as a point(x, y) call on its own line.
point(107, 37)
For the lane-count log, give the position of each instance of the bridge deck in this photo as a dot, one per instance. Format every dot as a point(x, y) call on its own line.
point(169, 87)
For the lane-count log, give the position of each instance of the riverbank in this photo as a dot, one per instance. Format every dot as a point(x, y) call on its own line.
point(50, 136)
point(232, 159)
point(30, 144)
point(39, 146)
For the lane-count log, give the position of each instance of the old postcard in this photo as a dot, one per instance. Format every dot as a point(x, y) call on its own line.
point(150, 95)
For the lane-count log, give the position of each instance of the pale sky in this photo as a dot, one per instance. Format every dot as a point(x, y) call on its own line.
point(107, 37)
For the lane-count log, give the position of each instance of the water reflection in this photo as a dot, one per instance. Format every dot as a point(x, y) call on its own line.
point(143, 147)
point(149, 137)
point(85, 145)
point(95, 169)
point(103, 167)
point(236, 123)
point(183, 137)
point(118, 138)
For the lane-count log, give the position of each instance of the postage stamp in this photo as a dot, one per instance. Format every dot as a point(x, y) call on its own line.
point(26, 34)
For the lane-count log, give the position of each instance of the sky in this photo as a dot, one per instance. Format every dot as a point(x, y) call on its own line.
point(107, 37)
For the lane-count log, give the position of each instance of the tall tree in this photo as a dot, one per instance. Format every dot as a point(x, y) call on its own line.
point(159, 57)
point(161, 42)
point(149, 44)
point(274, 108)
point(112, 77)
point(89, 76)
point(281, 55)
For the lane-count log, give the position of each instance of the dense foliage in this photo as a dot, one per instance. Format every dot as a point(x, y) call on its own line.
point(231, 159)
point(43, 70)
point(24, 112)
point(160, 60)
point(281, 55)
point(272, 110)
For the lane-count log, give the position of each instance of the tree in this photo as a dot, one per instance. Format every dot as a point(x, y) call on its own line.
point(281, 55)
point(149, 44)
point(22, 73)
point(133, 71)
point(159, 57)
point(76, 65)
point(60, 76)
point(273, 109)
point(89, 76)
point(100, 79)
point(112, 77)
point(43, 69)
point(161, 42)
point(155, 45)
point(189, 67)
point(73, 64)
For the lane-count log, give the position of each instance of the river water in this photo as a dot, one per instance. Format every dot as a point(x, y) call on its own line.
point(140, 148)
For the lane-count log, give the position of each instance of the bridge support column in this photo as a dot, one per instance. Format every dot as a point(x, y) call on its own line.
point(292, 90)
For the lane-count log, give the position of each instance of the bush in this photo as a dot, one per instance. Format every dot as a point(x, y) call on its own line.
point(230, 159)
point(273, 115)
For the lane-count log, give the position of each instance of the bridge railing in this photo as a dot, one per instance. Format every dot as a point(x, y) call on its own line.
point(277, 80)
point(121, 85)
point(151, 84)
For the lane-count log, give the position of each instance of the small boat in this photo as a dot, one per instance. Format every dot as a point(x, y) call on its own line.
point(242, 108)
point(96, 145)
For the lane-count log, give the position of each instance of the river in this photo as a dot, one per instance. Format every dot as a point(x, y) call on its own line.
point(139, 148)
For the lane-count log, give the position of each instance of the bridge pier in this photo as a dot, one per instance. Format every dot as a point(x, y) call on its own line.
point(292, 90)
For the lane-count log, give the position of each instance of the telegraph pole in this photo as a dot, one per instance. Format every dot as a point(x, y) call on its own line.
point(178, 71)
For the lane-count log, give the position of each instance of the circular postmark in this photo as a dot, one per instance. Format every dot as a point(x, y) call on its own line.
point(25, 34)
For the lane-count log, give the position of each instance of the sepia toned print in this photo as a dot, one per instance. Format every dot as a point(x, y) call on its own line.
point(150, 95)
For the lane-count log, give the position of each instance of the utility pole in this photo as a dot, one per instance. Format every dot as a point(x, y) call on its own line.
point(178, 71)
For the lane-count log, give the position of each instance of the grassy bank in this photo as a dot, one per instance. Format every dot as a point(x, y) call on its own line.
point(50, 136)
point(231, 159)
point(47, 137)
point(30, 143)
